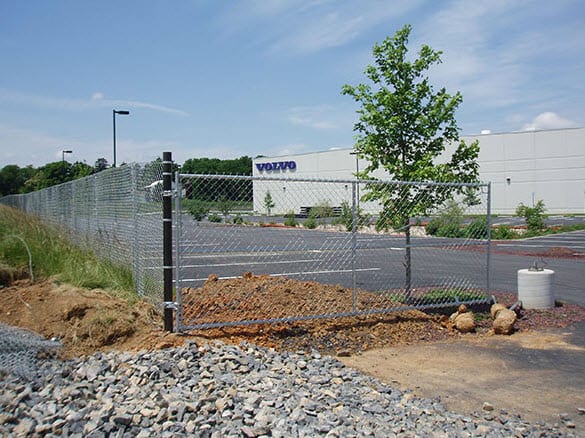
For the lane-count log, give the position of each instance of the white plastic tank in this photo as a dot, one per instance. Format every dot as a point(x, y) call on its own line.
point(535, 288)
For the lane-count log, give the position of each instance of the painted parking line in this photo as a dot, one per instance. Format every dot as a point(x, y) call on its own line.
point(287, 274)
point(250, 263)
point(534, 246)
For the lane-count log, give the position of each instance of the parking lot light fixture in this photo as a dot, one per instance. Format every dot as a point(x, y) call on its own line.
point(63, 152)
point(122, 113)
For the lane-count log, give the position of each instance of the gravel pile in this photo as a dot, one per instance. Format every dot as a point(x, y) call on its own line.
point(228, 391)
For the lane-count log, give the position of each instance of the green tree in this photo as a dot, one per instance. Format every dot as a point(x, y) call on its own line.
point(80, 170)
point(100, 164)
point(268, 202)
point(404, 126)
point(12, 178)
point(49, 175)
point(534, 216)
point(213, 190)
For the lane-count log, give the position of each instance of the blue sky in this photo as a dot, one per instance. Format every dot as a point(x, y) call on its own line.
point(205, 78)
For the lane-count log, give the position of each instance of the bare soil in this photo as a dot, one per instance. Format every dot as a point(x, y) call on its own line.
point(411, 349)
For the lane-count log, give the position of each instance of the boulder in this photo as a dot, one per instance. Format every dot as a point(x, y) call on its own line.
point(504, 322)
point(496, 308)
point(465, 322)
point(462, 320)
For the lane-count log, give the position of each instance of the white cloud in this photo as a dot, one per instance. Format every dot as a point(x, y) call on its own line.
point(289, 149)
point(298, 27)
point(549, 120)
point(316, 117)
point(96, 101)
point(23, 147)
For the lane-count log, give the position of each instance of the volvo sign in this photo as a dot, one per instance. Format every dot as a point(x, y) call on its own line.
point(276, 166)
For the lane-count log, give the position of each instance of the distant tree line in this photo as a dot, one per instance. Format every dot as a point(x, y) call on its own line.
point(15, 179)
point(218, 190)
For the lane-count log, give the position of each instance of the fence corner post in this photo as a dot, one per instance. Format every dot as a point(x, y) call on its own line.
point(167, 240)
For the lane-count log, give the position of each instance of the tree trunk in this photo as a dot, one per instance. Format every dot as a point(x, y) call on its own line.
point(407, 263)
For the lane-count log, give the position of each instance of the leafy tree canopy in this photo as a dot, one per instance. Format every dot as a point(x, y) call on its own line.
point(12, 178)
point(100, 164)
point(405, 125)
point(209, 166)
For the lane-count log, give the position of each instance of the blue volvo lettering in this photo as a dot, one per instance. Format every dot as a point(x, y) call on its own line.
point(276, 166)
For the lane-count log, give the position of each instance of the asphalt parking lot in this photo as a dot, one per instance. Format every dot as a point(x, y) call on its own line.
point(326, 256)
point(574, 241)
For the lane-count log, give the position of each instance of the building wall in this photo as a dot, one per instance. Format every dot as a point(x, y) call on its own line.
point(522, 167)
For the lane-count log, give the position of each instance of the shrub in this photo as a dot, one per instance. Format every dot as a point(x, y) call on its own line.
point(290, 219)
point(238, 220)
point(450, 230)
point(433, 225)
point(214, 217)
point(477, 229)
point(310, 223)
point(321, 210)
point(198, 210)
point(502, 232)
point(534, 216)
point(346, 217)
point(448, 223)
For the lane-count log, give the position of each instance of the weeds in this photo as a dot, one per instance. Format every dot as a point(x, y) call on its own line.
point(53, 255)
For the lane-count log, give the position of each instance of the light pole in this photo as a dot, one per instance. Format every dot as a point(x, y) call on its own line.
point(357, 171)
point(114, 112)
point(63, 152)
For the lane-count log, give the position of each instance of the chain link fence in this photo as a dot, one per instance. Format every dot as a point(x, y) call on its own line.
point(20, 350)
point(116, 213)
point(387, 245)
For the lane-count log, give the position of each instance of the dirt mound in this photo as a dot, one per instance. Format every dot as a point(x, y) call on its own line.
point(83, 320)
point(90, 320)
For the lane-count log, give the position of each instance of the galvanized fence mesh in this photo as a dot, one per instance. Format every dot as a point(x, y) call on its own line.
point(20, 350)
point(117, 213)
point(387, 245)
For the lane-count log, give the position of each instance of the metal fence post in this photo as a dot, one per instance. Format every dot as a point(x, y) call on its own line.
point(167, 241)
point(178, 234)
point(354, 227)
point(135, 231)
point(489, 236)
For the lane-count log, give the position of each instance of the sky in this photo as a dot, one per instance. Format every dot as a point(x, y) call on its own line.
point(223, 79)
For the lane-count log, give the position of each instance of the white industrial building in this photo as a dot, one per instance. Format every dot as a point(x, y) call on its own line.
point(522, 167)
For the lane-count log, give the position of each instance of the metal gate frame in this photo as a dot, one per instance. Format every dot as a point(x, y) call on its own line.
point(176, 221)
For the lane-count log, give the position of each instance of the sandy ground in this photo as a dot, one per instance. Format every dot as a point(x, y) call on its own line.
point(537, 374)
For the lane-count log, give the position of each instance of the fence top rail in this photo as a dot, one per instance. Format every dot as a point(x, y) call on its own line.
point(324, 180)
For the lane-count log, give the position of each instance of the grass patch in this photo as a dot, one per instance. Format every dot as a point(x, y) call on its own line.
point(53, 255)
point(438, 296)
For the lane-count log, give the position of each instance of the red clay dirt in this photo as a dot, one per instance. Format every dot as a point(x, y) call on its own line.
point(92, 320)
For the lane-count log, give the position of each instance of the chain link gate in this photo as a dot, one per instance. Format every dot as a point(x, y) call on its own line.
point(369, 237)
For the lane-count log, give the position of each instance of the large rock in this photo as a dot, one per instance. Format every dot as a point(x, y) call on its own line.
point(462, 320)
point(504, 322)
point(465, 322)
point(496, 308)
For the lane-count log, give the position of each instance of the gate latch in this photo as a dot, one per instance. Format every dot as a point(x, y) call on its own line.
point(171, 305)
